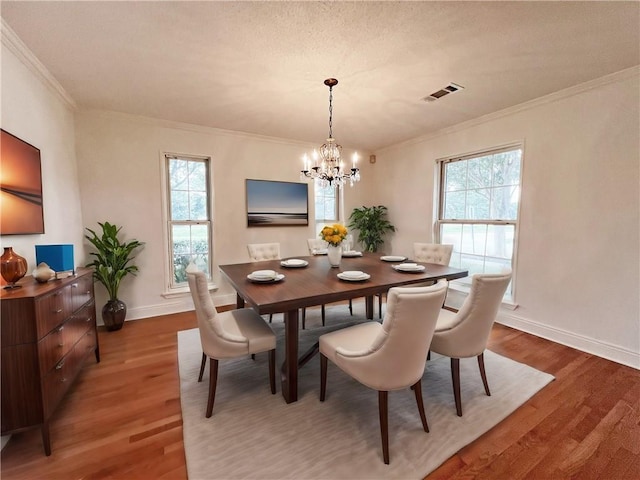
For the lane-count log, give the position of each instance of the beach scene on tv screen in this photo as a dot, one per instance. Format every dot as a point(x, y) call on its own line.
point(276, 203)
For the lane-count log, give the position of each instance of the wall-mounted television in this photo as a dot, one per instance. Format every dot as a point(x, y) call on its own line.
point(271, 203)
point(20, 187)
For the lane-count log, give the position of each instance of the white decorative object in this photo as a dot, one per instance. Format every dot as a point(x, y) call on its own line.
point(43, 273)
point(334, 254)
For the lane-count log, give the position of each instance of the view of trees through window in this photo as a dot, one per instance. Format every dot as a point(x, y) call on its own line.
point(478, 210)
point(190, 225)
point(326, 206)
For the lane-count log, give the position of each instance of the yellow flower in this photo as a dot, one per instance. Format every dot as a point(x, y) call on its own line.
point(334, 234)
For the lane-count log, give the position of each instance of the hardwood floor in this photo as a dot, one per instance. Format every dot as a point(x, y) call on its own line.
point(122, 420)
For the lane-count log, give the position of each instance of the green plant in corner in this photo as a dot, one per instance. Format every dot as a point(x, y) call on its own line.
point(111, 263)
point(372, 226)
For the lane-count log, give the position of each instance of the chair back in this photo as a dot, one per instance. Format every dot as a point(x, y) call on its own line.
point(315, 244)
point(263, 251)
point(432, 253)
point(398, 354)
point(471, 326)
point(212, 332)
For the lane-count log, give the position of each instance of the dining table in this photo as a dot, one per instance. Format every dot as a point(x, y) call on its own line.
point(310, 281)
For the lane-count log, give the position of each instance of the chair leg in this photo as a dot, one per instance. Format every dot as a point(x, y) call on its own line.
point(428, 354)
point(322, 309)
point(483, 374)
point(350, 307)
point(304, 318)
point(380, 306)
point(455, 375)
point(323, 377)
point(253, 356)
point(213, 380)
point(272, 370)
point(417, 389)
point(202, 364)
point(270, 317)
point(384, 423)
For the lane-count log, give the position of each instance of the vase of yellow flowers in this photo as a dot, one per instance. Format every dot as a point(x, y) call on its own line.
point(334, 235)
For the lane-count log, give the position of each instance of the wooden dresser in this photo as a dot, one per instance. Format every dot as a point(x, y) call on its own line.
point(48, 330)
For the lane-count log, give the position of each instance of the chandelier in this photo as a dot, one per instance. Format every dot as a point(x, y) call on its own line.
point(327, 167)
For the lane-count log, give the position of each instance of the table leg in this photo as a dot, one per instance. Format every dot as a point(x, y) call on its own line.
point(239, 301)
point(290, 365)
point(368, 305)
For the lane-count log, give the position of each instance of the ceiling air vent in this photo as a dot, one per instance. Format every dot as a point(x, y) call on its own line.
point(451, 88)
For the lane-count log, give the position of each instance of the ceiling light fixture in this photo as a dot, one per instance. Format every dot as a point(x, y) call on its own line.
point(327, 167)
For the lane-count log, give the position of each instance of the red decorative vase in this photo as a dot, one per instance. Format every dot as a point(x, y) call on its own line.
point(12, 267)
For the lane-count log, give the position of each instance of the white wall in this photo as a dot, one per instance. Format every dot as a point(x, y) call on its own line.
point(34, 112)
point(119, 162)
point(578, 262)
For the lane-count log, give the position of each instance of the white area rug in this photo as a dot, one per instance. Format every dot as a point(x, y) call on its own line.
point(253, 434)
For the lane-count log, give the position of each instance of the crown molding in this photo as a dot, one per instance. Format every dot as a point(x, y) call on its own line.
point(190, 127)
point(11, 40)
point(537, 102)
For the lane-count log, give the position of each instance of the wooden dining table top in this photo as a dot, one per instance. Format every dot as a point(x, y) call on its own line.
point(317, 283)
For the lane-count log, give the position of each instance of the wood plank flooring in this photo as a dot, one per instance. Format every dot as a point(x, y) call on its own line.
point(122, 420)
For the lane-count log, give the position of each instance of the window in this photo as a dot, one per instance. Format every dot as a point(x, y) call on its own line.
point(478, 209)
point(189, 216)
point(326, 205)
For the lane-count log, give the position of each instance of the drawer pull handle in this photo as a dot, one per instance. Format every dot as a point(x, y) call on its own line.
point(57, 311)
point(62, 380)
point(61, 344)
point(89, 319)
point(60, 365)
point(88, 292)
point(60, 329)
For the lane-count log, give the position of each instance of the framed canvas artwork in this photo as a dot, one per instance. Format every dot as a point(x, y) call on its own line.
point(272, 203)
point(20, 187)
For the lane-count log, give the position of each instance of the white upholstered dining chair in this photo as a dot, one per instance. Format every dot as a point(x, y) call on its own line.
point(228, 334)
point(465, 334)
point(390, 355)
point(438, 253)
point(259, 252)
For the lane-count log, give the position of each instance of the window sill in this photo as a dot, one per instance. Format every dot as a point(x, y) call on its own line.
point(507, 301)
point(184, 291)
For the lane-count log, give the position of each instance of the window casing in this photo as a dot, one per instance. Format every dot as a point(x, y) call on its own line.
point(326, 205)
point(478, 208)
point(189, 225)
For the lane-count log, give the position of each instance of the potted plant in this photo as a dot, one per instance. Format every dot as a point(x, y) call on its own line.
point(112, 262)
point(372, 225)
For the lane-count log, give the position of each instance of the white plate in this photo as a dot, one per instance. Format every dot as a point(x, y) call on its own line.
point(277, 278)
point(322, 251)
point(364, 276)
point(352, 253)
point(294, 263)
point(407, 267)
point(264, 274)
point(392, 258)
point(352, 273)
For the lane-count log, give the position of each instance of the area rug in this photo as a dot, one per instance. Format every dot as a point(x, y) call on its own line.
point(253, 434)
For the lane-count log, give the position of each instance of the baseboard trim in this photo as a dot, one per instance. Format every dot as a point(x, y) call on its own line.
point(580, 342)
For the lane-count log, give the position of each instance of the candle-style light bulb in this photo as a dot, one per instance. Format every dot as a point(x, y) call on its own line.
point(354, 157)
point(305, 161)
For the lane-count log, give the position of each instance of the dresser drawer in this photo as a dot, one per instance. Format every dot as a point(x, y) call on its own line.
point(52, 310)
point(81, 291)
point(52, 348)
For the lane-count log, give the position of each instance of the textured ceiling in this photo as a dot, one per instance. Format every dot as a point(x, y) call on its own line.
point(259, 67)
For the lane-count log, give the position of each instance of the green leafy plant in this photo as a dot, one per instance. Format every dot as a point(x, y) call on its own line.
point(372, 226)
point(112, 261)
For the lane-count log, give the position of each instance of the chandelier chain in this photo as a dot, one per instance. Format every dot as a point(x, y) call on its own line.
point(330, 112)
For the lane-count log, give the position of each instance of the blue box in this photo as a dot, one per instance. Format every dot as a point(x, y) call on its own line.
point(58, 257)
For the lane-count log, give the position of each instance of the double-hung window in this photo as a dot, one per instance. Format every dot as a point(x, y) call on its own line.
point(188, 215)
point(326, 205)
point(479, 198)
